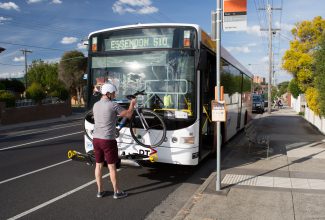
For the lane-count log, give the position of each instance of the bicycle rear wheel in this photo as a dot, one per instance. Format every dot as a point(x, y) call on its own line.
point(152, 132)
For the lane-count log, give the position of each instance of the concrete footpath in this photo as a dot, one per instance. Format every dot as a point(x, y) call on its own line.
point(290, 184)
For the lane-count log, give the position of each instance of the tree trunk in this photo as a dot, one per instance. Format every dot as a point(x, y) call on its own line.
point(79, 88)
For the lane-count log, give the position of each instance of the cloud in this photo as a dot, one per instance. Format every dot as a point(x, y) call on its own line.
point(38, 1)
point(53, 60)
point(265, 59)
point(284, 27)
point(56, 2)
point(19, 59)
point(134, 6)
point(254, 30)
point(34, 1)
point(243, 49)
point(11, 75)
point(2, 19)
point(69, 40)
point(9, 6)
point(82, 45)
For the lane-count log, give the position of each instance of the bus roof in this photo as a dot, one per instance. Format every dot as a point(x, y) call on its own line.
point(203, 36)
point(139, 25)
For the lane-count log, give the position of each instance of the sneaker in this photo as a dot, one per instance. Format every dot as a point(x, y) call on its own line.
point(120, 195)
point(101, 194)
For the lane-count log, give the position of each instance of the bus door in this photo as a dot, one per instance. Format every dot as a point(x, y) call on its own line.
point(207, 85)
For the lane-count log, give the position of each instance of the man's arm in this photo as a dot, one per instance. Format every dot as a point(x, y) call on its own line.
point(128, 113)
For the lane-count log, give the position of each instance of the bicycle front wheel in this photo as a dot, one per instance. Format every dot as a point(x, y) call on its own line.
point(148, 129)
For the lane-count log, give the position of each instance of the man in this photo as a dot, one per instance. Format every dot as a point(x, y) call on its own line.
point(105, 146)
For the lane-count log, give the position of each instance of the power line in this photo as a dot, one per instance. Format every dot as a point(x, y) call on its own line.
point(25, 45)
point(7, 64)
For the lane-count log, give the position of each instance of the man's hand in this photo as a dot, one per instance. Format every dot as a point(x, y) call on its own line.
point(133, 102)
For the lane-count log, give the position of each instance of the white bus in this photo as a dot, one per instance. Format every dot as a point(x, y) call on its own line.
point(175, 64)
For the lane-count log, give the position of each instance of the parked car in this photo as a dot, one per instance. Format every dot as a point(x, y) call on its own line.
point(258, 104)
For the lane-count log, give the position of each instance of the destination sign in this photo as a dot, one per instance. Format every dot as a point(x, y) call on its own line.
point(126, 43)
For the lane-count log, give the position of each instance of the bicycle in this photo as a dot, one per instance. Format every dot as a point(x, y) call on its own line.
point(147, 128)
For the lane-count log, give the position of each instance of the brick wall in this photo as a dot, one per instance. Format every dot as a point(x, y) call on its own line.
point(33, 113)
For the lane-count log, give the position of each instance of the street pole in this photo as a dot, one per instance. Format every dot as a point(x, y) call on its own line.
point(25, 54)
point(269, 10)
point(218, 55)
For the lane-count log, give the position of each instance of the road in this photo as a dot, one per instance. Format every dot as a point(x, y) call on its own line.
point(37, 180)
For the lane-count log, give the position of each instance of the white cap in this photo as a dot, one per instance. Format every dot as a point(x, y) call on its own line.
point(108, 87)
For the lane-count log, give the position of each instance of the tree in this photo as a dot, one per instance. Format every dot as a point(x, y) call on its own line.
point(294, 88)
point(298, 60)
point(46, 74)
point(72, 67)
point(282, 88)
point(320, 75)
point(36, 92)
point(13, 85)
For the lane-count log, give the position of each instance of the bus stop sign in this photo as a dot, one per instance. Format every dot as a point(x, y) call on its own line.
point(218, 110)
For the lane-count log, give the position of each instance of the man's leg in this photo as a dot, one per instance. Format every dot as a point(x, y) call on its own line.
point(113, 176)
point(98, 175)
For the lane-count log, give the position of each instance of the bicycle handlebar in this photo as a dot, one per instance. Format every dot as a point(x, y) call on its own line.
point(135, 94)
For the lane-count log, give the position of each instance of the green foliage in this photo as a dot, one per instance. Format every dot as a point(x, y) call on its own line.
point(71, 69)
point(45, 74)
point(13, 85)
point(72, 66)
point(320, 75)
point(8, 98)
point(294, 88)
point(60, 92)
point(283, 88)
point(36, 92)
point(2, 86)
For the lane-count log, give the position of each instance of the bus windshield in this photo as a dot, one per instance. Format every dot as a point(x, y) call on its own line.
point(168, 78)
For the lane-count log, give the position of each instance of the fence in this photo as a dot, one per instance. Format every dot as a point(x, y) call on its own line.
point(30, 102)
point(299, 103)
point(314, 119)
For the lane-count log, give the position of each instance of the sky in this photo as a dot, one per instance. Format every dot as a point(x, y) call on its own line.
point(48, 28)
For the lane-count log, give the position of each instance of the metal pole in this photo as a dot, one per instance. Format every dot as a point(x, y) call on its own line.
point(269, 10)
point(25, 54)
point(218, 55)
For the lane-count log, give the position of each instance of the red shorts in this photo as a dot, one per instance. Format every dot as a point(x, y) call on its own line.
point(105, 150)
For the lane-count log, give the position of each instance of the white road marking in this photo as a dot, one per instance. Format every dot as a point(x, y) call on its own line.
point(35, 131)
point(35, 171)
point(47, 139)
point(56, 199)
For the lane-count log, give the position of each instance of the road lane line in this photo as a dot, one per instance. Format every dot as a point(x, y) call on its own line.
point(35, 171)
point(55, 199)
point(35, 131)
point(33, 142)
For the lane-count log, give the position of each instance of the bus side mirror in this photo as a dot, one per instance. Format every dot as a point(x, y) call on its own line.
point(203, 60)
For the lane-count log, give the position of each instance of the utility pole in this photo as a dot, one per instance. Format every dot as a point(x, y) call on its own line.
point(25, 51)
point(218, 57)
point(269, 93)
point(269, 10)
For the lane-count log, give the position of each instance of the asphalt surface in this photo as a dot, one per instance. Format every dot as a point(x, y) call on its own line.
point(37, 180)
